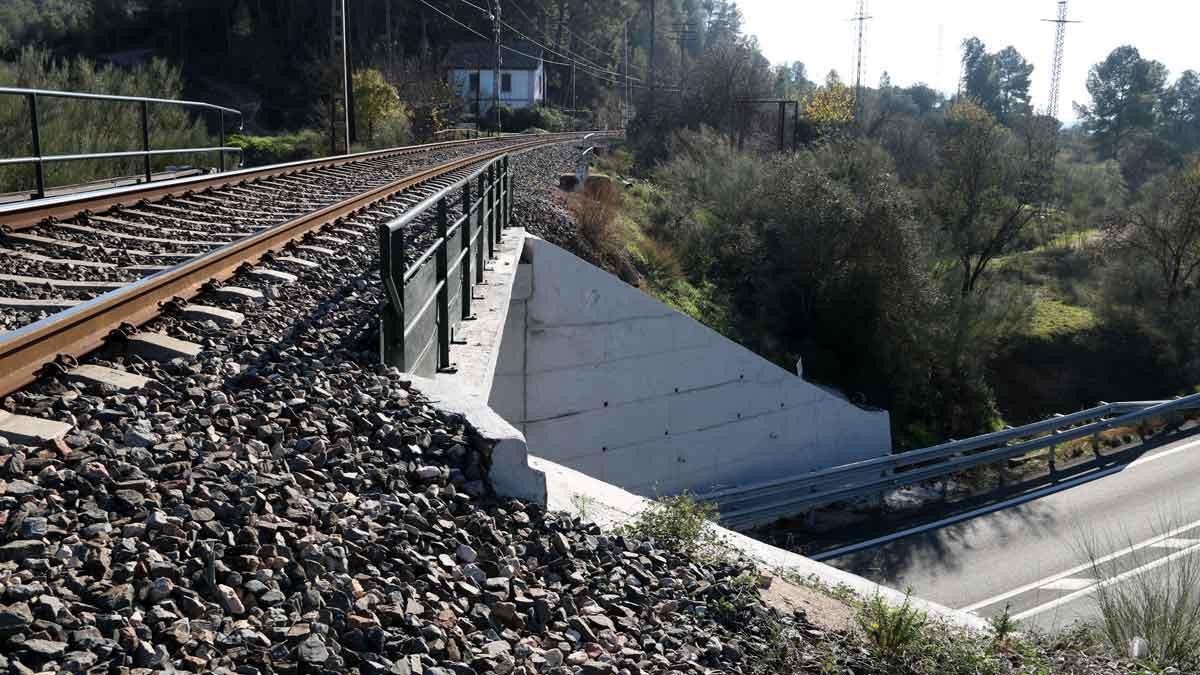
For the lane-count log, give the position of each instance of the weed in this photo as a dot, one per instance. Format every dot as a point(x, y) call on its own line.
point(1003, 626)
point(680, 524)
point(1160, 605)
point(892, 630)
point(583, 505)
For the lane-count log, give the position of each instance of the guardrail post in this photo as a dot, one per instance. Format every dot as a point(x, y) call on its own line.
point(391, 267)
point(146, 139)
point(465, 233)
point(443, 294)
point(40, 166)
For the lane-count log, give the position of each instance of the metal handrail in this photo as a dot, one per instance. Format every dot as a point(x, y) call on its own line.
point(871, 477)
point(39, 160)
point(485, 212)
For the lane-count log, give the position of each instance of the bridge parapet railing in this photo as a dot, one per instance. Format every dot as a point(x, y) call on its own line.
point(428, 299)
point(750, 505)
point(39, 160)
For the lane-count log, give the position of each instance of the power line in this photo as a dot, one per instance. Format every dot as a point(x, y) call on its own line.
point(601, 74)
point(862, 19)
point(1060, 36)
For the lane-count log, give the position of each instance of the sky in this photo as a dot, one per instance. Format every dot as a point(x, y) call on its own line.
point(902, 38)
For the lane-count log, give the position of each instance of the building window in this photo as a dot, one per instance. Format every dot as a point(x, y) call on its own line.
point(474, 82)
point(506, 83)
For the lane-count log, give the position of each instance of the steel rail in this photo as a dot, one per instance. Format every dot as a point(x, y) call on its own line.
point(27, 214)
point(83, 328)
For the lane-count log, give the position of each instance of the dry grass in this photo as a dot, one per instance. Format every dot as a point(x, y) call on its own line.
point(595, 208)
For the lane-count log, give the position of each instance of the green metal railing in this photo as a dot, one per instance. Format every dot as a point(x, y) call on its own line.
point(427, 300)
point(39, 160)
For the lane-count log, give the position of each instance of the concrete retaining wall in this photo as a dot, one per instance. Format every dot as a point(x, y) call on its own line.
point(608, 381)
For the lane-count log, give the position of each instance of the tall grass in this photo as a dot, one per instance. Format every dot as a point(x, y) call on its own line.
point(77, 126)
point(1160, 604)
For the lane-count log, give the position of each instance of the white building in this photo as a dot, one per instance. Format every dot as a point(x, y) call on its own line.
point(472, 75)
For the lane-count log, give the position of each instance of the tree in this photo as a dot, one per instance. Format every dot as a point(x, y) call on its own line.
point(831, 105)
point(981, 80)
point(1125, 90)
point(375, 101)
point(1164, 228)
point(1181, 113)
point(998, 82)
point(1013, 75)
point(989, 182)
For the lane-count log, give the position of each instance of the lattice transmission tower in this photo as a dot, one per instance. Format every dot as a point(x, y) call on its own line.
point(1060, 36)
point(861, 18)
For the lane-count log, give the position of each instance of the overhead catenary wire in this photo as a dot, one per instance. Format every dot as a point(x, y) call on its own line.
point(611, 76)
point(579, 60)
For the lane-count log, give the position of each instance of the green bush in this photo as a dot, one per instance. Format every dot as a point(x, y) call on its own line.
point(892, 630)
point(679, 524)
point(264, 150)
point(517, 120)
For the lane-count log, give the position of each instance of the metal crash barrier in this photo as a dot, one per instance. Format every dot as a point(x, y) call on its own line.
point(428, 299)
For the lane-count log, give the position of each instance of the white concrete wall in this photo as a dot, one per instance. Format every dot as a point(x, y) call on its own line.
point(608, 381)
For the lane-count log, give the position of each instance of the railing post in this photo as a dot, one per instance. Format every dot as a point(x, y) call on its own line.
point(508, 200)
point(221, 152)
point(465, 232)
point(391, 330)
point(443, 294)
point(40, 166)
point(491, 218)
point(481, 226)
point(146, 139)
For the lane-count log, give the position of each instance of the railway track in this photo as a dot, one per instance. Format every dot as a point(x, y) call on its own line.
point(77, 271)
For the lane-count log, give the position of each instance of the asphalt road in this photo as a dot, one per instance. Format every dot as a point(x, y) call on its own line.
point(1034, 558)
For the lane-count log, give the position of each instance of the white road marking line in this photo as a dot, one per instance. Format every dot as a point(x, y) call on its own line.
point(1067, 599)
point(1081, 568)
point(1177, 543)
point(1069, 584)
point(1165, 453)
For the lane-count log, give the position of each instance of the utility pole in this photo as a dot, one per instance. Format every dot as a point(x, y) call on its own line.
point(1060, 36)
point(348, 57)
point(339, 49)
point(862, 19)
point(683, 32)
point(574, 107)
point(653, 36)
point(496, 76)
point(625, 99)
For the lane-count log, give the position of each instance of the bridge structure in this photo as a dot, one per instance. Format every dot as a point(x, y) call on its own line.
point(579, 387)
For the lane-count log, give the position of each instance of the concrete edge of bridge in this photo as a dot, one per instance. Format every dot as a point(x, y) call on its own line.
point(517, 473)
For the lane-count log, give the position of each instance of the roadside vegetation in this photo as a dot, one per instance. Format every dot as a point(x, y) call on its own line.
point(888, 638)
point(964, 263)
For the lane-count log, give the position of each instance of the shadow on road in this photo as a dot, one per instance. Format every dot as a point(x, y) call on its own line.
point(937, 551)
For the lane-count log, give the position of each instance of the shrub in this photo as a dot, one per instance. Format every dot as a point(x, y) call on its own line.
point(679, 524)
point(263, 150)
point(892, 630)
